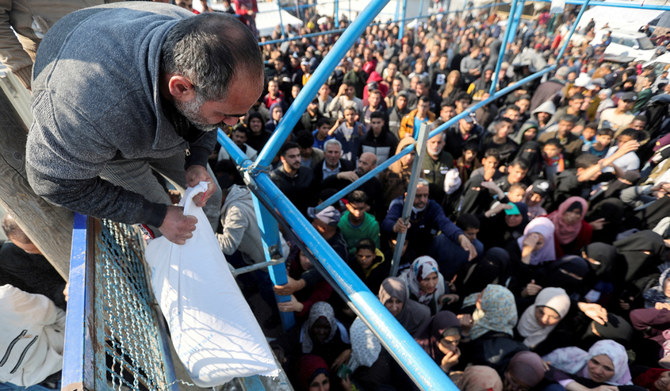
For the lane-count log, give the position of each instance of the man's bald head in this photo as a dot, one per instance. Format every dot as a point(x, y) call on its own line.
point(366, 162)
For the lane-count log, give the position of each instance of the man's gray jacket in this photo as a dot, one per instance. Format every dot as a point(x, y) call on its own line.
point(96, 99)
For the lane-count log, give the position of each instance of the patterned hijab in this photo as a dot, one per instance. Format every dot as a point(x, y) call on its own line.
point(365, 347)
point(421, 268)
point(534, 333)
point(498, 312)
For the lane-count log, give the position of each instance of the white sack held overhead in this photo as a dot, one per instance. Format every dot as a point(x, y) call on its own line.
point(212, 327)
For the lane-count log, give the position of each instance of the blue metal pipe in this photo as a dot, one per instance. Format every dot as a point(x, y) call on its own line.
point(572, 31)
point(337, 14)
point(281, 21)
point(618, 5)
point(503, 48)
point(354, 185)
point(315, 82)
point(517, 19)
point(414, 360)
point(403, 11)
point(420, 9)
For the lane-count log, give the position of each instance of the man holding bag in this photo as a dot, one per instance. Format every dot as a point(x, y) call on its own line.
point(123, 90)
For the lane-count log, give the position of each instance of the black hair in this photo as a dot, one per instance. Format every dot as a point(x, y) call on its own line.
point(586, 160)
point(322, 121)
point(592, 125)
point(304, 139)
point(555, 142)
point(492, 152)
point(569, 118)
point(632, 133)
point(521, 162)
point(467, 220)
point(288, 145)
point(357, 196)
point(378, 114)
point(366, 244)
point(607, 131)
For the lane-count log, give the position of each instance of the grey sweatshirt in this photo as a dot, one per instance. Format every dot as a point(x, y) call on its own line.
point(96, 99)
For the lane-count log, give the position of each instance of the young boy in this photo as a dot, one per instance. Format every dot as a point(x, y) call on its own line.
point(552, 152)
point(468, 162)
point(588, 136)
point(356, 223)
point(602, 142)
point(321, 133)
point(349, 133)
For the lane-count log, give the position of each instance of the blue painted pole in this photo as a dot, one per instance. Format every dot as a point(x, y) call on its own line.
point(315, 82)
point(572, 31)
point(281, 21)
point(420, 8)
point(503, 48)
point(267, 225)
point(336, 14)
point(517, 19)
point(403, 11)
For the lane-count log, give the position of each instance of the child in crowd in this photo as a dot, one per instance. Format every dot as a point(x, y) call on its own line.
point(602, 142)
point(554, 164)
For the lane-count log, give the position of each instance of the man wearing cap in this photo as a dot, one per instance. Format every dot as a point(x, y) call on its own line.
point(620, 116)
point(549, 88)
point(306, 69)
point(325, 222)
point(466, 130)
point(535, 194)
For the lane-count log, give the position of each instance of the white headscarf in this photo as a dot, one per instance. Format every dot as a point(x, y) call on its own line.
point(554, 298)
point(365, 347)
point(318, 310)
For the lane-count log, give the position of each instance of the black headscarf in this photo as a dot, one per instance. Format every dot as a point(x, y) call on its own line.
point(568, 273)
point(531, 151)
point(605, 254)
point(494, 264)
point(634, 249)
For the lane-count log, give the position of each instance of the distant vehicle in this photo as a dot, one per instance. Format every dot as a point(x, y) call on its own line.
point(659, 63)
point(627, 44)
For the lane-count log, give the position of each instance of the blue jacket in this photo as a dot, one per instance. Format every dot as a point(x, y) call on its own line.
point(424, 225)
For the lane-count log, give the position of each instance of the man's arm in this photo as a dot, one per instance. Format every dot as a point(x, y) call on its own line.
point(234, 225)
point(392, 216)
point(12, 54)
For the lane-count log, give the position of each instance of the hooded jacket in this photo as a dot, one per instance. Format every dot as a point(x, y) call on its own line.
point(31, 337)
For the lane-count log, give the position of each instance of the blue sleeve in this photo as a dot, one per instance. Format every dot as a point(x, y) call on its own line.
point(441, 221)
point(393, 214)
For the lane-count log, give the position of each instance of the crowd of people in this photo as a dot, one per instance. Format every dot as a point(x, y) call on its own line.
point(536, 253)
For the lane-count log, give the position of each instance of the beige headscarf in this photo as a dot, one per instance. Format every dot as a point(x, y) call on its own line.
point(479, 378)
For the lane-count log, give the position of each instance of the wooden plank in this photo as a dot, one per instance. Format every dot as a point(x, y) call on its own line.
point(47, 225)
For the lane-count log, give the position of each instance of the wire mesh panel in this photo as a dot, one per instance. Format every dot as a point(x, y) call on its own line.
point(127, 326)
point(114, 337)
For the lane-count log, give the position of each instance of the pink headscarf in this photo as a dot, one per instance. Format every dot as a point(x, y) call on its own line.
point(567, 233)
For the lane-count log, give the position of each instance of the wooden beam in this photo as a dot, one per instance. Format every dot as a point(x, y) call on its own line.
point(48, 226)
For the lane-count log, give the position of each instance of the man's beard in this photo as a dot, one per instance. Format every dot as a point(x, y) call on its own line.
point(191, 111)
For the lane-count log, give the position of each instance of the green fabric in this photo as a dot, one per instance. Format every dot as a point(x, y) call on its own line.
point(369, 229)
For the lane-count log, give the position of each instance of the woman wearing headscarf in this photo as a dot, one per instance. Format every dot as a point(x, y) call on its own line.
point(531, 151)
point(372, 367)
point(479, 378)
point(426, 283)
point(313, 374)
point(492, 268)
point(539, 320)
point(395, 297)
point(606, 363)
point(491, 334)
point(654, 379)
point(440, 337)
point(452, 87)
point(525, 371)
point(572, 233)
point(323, 335)
point(536, 245)
point(504, 226)
point(659, 296)
point(641, 251)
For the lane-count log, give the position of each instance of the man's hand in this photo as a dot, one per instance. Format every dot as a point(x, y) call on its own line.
point(176, 226)
point(594, 311)
point(196, 174)
point(350, 176)
point(401, 226)
point(628, 146)
point(467, 246)
point(291, 306)
point(290, 287)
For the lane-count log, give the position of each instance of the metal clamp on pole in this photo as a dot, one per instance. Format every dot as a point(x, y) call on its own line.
point(411, 191)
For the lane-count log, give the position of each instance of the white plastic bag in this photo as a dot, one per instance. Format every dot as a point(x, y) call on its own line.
point(213, 329)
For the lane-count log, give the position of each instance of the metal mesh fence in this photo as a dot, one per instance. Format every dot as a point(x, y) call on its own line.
point(135, 354)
